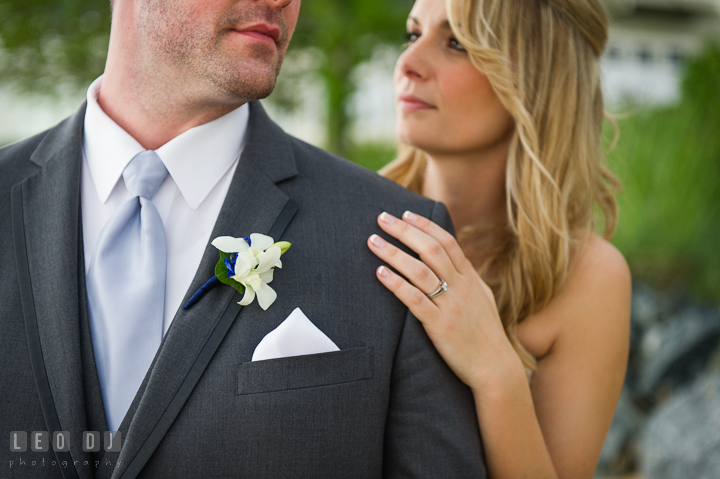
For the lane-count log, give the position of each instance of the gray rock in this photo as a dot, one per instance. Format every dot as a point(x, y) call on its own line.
point(649, 312)
point(682, 437)
point(677, 351)
point(619, 453)
point(645, 306)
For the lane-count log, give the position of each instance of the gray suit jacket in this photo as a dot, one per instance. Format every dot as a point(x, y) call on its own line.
point(385, 405)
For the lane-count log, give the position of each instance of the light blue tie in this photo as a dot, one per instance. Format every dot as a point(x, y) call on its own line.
point(126, 289)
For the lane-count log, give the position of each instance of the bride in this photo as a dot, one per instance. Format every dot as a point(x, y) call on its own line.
point(499, 115)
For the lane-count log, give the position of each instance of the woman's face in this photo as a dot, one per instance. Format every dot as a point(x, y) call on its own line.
point(444, 104)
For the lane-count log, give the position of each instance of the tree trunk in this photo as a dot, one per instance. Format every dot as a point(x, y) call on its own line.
point(337, 76)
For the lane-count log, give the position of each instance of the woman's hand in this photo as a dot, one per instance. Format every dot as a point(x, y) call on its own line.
point(584, 332)
point(463, 322)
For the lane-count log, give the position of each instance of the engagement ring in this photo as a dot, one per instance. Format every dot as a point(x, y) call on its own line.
point(441, 289)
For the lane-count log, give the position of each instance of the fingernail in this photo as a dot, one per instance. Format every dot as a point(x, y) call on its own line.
point(410, 216)
point(383, 271)
point(387, 218)
point(377, 241)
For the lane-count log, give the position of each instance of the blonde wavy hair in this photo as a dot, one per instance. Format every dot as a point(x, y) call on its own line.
point(542, 59)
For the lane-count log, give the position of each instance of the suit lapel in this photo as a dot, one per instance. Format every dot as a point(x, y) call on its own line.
point(254, 204)
point(46, 211)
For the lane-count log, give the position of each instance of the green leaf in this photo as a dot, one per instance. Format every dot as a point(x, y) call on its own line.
point(221, 273)
point(221, 269)
point(237, 286)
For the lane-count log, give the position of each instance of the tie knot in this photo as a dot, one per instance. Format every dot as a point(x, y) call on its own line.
point(144, 174)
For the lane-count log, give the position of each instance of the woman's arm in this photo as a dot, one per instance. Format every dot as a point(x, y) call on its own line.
point(558, 428)
point(579, 378)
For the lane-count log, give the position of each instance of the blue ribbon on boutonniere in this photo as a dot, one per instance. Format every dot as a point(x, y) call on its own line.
point(246, 264)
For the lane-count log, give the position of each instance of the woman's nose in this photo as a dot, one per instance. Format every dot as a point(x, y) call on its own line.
point(413, 63)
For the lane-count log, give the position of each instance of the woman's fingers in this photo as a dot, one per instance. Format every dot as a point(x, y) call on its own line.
point(417, 302)
point(417, 272)
point(448, 241)
point(431, 251)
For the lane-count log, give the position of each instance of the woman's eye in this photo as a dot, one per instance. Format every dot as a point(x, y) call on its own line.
point(456, 45)
point(410, 37)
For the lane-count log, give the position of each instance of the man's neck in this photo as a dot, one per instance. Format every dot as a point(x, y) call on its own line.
point(472, 186)
point(154, 111)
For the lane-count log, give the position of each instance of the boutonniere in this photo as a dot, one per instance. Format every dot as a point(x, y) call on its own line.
point(246, 264)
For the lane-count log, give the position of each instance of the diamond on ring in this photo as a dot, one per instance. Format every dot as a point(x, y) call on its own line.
point(441, 289)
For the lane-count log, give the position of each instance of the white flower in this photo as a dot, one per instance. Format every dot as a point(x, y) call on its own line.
point(254, 265)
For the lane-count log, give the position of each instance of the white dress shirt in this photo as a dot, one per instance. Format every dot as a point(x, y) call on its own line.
point(200, 164)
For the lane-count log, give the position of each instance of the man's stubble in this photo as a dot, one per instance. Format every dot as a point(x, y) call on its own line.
point(198, 54)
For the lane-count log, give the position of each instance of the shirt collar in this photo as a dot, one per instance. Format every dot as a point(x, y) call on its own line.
point(196, 159)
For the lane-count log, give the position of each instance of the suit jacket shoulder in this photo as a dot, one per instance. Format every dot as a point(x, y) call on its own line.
point(356, 189)
point(350, 178)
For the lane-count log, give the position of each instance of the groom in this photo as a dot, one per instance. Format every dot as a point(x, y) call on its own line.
point(105, 224)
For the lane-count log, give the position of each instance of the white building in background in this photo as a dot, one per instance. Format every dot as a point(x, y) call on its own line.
point(650, 41)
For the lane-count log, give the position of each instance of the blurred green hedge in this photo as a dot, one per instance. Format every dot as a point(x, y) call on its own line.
point(669, 163)
point(46, 45)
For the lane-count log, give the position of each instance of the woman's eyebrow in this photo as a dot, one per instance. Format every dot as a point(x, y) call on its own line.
point(444, 25)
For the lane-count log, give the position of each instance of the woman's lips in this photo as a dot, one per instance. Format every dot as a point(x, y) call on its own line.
point(413, 103)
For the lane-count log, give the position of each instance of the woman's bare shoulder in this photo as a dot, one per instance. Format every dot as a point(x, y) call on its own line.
point(596, 295)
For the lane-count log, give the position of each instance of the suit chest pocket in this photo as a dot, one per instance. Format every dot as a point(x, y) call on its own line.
point(306, 371)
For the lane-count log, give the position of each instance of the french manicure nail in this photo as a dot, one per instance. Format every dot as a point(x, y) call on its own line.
point(410, 216)
point(377, 241)
point(387, 218)
point(383, 271)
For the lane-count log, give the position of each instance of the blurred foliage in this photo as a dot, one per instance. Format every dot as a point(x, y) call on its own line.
point(49, 45)
point(669, 163)
point(343, 34)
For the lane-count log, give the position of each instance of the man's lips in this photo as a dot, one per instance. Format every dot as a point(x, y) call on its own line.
point(261, 32)
point(413, 103)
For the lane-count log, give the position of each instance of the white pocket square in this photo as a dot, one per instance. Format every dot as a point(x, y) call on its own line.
point(296, 336)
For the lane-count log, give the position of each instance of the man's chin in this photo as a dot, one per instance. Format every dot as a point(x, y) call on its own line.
point(250, 83)
point(257, 93)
